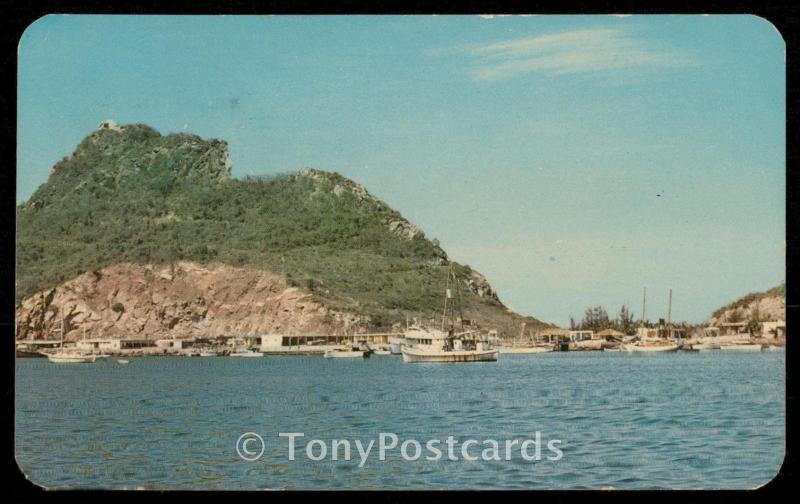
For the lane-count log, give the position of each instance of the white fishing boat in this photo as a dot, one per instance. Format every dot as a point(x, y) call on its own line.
point(382, 352)
point(247, 353)
point(208, 353)
point(749, 347)
point(440, 351)
point(345, 353)
point(423, 344)
point(650, 348)
point(123, 361)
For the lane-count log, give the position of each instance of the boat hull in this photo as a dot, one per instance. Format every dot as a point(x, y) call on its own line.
point(742, 348)
point(416, 355)
point(651, 349)
point(337, 354)
point(525, 350)
point(29, 354)
point(71, 359)
point(704, 347)
point(247, 354)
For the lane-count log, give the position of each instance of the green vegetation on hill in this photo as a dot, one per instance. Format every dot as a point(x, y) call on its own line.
point(745, 301)
point(138, 196)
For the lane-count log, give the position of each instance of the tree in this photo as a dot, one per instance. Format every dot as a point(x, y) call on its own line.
point(625, 321)
point(735, 316)
point(595, 319)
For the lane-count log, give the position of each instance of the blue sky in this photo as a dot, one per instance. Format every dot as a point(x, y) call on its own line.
point(571, 159)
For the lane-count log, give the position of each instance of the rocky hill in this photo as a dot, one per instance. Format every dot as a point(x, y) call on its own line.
point(142, 234)
point(769, 305)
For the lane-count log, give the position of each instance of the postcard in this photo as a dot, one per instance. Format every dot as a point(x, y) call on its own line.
point(400, 252)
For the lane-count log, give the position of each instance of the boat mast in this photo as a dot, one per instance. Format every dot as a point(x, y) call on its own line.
point(669, 316)
point(644, 304)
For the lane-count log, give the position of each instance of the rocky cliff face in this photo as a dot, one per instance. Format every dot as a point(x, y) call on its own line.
point(180, 300)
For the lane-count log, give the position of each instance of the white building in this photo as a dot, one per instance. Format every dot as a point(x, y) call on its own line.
point(774, 329)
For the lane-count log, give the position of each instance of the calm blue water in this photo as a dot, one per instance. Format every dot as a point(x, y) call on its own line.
point(703, 420)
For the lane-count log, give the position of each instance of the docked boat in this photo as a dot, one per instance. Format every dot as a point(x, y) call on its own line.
point(423, 344)
point(650, 348)
point(449, 349)
point(395, 343)
point(704, 347)
point(339, 353)
point(24, 350)
point(525, 350)
point(208, 353)
point(382, 352)
point(62, 357)
point(666, 344)
point(749, 347)
point(246, 353)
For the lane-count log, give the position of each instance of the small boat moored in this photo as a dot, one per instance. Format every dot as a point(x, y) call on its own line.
point(749, 347)
point(62, 356)
point(70, 358)
point(704, 347)
point(339, 353)
point(246, 353)
point(525, 350)
point(645, 348)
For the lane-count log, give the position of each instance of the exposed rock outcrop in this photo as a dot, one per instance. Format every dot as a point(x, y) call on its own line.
point(478, 284)
point(181, 300)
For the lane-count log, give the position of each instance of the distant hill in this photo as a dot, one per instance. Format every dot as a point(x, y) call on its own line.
point(131, 196)
point(769, 305)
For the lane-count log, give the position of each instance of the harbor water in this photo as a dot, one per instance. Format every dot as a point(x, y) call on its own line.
point(685, 420)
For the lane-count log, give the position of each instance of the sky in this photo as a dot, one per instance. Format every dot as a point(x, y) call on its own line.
point(573, 160)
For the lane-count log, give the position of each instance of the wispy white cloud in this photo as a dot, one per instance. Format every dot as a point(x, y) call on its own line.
point(570, 52)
